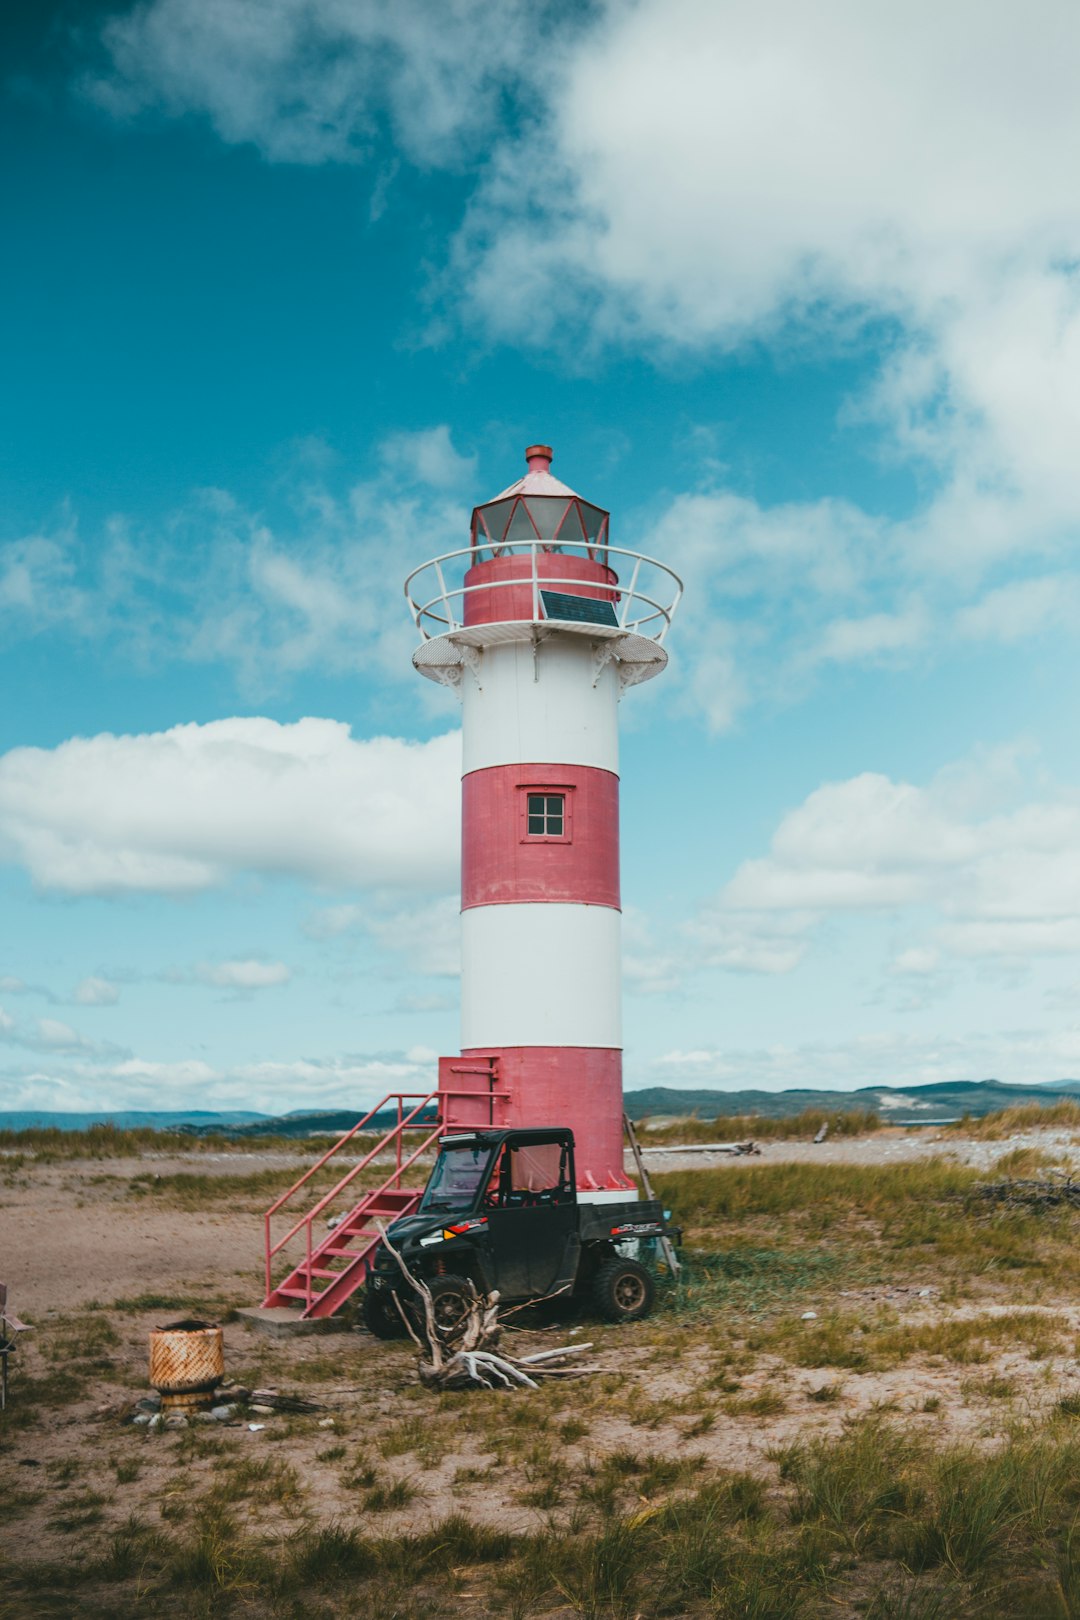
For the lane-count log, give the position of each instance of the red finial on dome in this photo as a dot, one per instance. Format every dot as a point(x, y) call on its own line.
point(538, 458)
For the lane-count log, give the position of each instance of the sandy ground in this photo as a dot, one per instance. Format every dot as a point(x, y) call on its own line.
point(69, 1239)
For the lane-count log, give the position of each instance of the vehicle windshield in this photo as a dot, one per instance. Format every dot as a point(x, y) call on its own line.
point(457, 1176)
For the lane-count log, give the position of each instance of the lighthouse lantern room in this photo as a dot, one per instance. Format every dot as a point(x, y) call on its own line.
point(540, 624)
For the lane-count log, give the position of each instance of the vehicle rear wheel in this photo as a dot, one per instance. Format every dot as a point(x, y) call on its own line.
point(623, 1291)
point(380, 1315)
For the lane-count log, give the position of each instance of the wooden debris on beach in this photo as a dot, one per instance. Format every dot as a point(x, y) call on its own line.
point(1032, 1194)
point(464, 1356)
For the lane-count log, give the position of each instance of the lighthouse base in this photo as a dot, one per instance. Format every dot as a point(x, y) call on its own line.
point(536, 1086)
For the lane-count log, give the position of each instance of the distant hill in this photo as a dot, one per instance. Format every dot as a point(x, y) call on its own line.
point(124, 1119)
point(942, 1099)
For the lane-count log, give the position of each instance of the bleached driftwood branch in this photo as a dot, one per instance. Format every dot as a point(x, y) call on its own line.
point(464, 1355)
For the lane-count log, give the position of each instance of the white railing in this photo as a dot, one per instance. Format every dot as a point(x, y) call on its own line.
point(645, 606)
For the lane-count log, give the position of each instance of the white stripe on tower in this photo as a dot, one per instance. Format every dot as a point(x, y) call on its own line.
point(541, 705)
point(540, 975)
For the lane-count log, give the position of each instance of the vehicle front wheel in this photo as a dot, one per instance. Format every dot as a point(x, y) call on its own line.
point(450, 1299)
point(623, 1291)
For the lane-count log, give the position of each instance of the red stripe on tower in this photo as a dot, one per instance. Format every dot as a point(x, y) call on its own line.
point(542, 833)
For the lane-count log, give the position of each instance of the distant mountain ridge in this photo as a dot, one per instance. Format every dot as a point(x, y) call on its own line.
point(125, 1119)
point(939, 1099)
point(922, 1104)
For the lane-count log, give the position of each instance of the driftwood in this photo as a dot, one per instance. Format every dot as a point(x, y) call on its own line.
point(464, 1356)
point(736, 1149)
point(283, 1403)
point(1031, 1194)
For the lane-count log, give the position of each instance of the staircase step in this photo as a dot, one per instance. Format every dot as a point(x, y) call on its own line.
point(353, 1242)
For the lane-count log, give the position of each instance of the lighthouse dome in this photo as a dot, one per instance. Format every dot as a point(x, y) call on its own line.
point(538, 507)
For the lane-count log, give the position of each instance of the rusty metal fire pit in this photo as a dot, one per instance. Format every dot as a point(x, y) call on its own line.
point(187, 1363)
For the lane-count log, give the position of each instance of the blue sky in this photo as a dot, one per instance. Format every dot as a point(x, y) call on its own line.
point(287, 289)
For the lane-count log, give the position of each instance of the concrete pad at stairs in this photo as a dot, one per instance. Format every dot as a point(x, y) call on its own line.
point(282, 1322)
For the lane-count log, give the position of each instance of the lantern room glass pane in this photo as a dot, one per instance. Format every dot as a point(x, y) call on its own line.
point(521, 528)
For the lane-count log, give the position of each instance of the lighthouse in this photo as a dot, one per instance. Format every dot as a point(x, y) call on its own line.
point(540, 625)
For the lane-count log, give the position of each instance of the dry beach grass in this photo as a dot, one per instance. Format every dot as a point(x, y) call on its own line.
point(910, 1449)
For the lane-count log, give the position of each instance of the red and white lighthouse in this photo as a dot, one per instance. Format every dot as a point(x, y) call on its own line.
point(540, 625)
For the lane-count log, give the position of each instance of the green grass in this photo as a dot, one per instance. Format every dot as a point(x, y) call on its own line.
point(749, 1278)
point(888, 1518)
point(48, 1145)
point(206, 1305)
point(875, 1342)
point(766, 1231)
point(818, 1193)
point(878, 1521)
point(253, 1191)
point(1025, 1161)
point(760, 1127)
point(390, 1497)
point(1063, 1115)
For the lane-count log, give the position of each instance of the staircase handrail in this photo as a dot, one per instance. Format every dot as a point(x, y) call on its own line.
point(391, 1096)
point(308, 1220)
point(404, 1122)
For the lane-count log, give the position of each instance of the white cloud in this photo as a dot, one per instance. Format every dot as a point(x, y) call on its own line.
point(53, 1033)
point(72, 1081)
point(97, 992)
point(329, 922)
point(217, 582)
point(429, 936)
point(818, 155)
point(427, 457)
point(997, 882)
point(313, 81)
point(242, 975)
point(171, 1078)
point(873, 637)
point(1023, 608)
point(189, 808)
point(422, 939)
point(53, 1036)
point(699, 174)
point(712, 174)
point(747, 941)
point(918, 960)
point(37, 579)
point(885, 1057)
point(648, 969)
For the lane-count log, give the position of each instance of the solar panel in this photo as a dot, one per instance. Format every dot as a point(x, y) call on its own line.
point(578, 609)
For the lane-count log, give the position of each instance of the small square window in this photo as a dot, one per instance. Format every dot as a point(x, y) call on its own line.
point(546, 815)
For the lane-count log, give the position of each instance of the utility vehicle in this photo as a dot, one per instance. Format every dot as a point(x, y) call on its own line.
point(501, 1210)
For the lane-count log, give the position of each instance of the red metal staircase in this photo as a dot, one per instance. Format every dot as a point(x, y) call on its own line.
point(334, 1267)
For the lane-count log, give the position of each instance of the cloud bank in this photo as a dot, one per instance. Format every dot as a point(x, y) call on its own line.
point(189, 809)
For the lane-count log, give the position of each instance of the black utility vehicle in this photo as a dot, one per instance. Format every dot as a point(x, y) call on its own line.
point(501, 1210)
